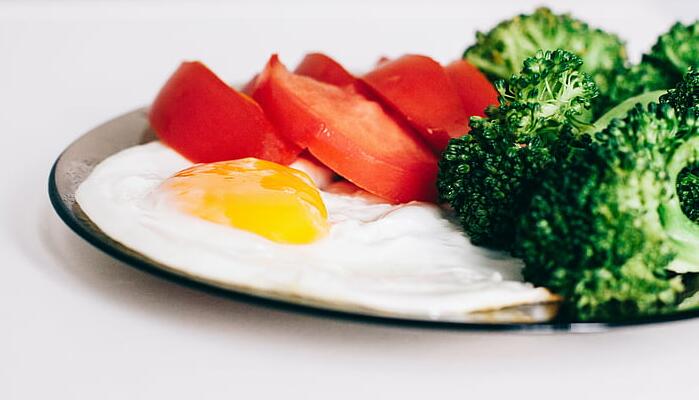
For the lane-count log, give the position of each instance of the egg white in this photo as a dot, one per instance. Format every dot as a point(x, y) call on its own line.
point(408, 259)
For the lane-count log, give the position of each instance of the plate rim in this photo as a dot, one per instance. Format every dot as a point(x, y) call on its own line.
point(70, 219)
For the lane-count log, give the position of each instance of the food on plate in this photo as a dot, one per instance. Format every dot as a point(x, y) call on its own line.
point(205, 120)
point(609, 224)
point(607, 216)
point(271, 200)
point(436, 101)
point(419, 89)
point(322, 185)
point(682, 98)
point(685, 94)
point(323, 68)
point(487, 175)
point(475, 91)
point(249, 86)
point(606, 229)
point(621, 109)
point(688, 189)
point(406, 259)
point(350, 133)
point(501, 51)
point(662, 67)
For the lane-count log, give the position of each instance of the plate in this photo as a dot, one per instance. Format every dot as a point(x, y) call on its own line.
point(77, 161)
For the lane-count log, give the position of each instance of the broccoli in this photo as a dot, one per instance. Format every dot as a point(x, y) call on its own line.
point(662, 67)
point(500, 52)
point(676, 50)
point(688, 192)
point(605, 227)
point(486, 175)
point(619, 111)
point(686, 94)
point(681, 98)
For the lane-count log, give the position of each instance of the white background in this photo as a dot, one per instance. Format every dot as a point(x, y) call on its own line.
point(75, 324)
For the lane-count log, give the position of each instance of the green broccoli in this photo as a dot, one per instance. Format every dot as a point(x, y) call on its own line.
point(681, 98)
point(676, 50)
point(620, 110)
point(688, 192)
point(605, 227)
point(686, 94)
point(500, 52)
point(662, 67)
point(486, 175)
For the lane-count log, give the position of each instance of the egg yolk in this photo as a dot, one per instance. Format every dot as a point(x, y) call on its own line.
point(262, 197)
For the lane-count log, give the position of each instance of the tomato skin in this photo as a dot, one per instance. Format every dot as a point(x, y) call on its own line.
point(249, 87)
point(474, 89)
point(292, 117)
point(418, 89)
point(205, 120)
point(323, 68)
point(349, 133)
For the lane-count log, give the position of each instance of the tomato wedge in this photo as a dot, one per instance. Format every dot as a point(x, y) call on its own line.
point(205, 120)
point(323, 68)
point(474, 89)
point(349, 133)
point(418, 88)
point(249, 87)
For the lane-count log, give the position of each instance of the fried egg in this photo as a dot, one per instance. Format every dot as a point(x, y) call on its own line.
point(280, 232)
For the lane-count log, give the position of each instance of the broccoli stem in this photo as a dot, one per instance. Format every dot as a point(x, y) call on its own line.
point(682, 231)
point(621, 109)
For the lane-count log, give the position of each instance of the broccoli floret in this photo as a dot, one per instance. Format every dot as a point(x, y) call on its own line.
point(604, 227)
point(683, 97)
point(688, 192)
point(634, 81)
point(662, 67)
point(620, 110)
point(676, 50)
point(686, 94)
point(500, 52)
point(486, 175)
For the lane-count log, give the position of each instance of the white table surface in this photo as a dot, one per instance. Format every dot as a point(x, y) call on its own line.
point(75, 324)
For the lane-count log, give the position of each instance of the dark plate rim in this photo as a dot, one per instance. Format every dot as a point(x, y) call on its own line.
point(558, 324)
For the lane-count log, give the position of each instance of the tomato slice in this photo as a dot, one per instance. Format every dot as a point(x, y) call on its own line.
point(419, 90)
point(205, 120)
point(349, 133)
point(474, 89)
point(323, 68)
point(249, 87)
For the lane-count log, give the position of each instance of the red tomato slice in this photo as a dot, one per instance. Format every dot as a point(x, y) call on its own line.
point(323, 68)
point(419, 90)
point(349, 133)
point(205, 120)
point(249, 87)
point(473, 87)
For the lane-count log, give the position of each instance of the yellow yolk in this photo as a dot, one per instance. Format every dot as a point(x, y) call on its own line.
point(262, 197)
